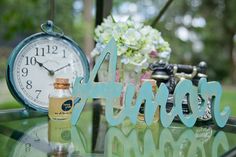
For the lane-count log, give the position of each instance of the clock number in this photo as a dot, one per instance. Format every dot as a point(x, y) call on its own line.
point(48, 46)
point(31, 60)
point(29, 84)
point(48, 49)
point(24, 72)
point(54, 49)
point(37, 51)
point(37, 139)
point(64, 54)
point(38, 93)
point(27, 147)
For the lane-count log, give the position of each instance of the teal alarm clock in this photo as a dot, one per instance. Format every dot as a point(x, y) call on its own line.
point(40, 58)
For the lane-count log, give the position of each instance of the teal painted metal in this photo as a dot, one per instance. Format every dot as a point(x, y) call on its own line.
point(48, 33)
point(111, 90)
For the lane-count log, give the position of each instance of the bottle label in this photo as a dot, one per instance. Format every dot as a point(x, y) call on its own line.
point(60, 108)
point(59, 131)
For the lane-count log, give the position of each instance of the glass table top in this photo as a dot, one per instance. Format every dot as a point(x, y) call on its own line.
point(27, 134)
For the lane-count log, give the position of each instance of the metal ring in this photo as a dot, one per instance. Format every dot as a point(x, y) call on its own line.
point(164, 77)
point(51, 29)
point(202, 75)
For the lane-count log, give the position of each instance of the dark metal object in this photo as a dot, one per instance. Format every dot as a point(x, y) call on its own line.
point(161, 13)
point(51, 9)
point(171, 74)
point(103, 9)
point(97, 108)
point(230, 153)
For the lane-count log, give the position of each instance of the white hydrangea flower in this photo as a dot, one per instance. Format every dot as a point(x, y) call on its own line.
point(134, 40)
point(132, 37)
point(125, 60)
point(121, 50)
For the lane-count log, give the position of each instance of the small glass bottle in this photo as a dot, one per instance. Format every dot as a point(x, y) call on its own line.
point(59, 137)
point(60, 100)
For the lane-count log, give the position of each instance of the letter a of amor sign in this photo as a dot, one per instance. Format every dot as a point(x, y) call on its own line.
point(112, 90)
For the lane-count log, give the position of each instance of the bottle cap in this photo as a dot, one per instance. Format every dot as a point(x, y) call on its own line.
point(61, 83)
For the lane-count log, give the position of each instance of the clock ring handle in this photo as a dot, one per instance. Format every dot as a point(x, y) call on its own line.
point(51, 29)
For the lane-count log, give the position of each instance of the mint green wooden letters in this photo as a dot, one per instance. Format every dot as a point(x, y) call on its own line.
point(112, 90)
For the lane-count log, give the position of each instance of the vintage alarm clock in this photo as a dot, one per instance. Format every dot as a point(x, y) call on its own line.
point(36, 61)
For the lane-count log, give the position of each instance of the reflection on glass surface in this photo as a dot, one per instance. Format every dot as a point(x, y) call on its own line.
point(28, 144)
point(59, 137)
point(42, 140)
point(170, 142)
point(23, 138)
point(38, 137)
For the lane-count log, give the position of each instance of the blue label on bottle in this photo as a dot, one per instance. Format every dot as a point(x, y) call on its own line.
point(67, 105)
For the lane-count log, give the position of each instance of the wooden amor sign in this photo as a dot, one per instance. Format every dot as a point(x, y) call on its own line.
point(110, 90)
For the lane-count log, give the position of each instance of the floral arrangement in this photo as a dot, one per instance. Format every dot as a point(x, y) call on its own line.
point(138, 45)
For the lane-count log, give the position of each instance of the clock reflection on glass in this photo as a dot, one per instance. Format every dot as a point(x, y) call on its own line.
point(38, 60)
point(33, 143)
point(46, 140)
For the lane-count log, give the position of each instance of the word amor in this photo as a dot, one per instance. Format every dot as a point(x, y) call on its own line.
point(112, 90)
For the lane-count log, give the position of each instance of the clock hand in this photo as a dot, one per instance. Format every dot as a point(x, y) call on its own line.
point(51, 72)
point(62, 67)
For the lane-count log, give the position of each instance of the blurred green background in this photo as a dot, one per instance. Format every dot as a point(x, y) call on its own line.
point(197, 30)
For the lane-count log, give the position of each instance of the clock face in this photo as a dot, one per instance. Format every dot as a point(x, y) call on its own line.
point(39, 63)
